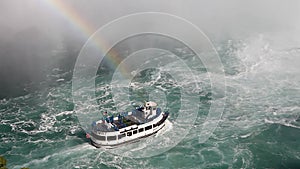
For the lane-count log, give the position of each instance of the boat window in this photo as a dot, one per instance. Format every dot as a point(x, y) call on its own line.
point(121, 136)
point(129, 133)
point(134, 132)
point(98, 137)
point(141, 130)
point(110, 138)
point(148, 127)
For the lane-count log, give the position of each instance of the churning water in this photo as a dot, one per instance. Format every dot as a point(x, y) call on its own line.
point(260, 126)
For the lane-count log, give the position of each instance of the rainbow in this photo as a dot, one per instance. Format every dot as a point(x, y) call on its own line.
point(86, 28)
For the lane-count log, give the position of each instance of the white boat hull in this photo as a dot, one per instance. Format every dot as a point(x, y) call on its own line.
point(128, 134)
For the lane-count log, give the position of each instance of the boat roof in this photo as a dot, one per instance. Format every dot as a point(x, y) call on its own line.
point(150, 104)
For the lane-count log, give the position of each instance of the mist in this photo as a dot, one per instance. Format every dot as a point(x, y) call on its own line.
point(37, 38)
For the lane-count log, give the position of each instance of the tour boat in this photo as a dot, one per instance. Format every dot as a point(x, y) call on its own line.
point(126, 127)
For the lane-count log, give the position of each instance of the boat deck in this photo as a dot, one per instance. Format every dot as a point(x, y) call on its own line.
point(135, 117)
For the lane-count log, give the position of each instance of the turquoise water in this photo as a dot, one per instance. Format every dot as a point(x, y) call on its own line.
point(260, 126)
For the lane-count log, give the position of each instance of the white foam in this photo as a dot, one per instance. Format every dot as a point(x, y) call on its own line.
point(65, 113)
point(168, 127)
point(60, 80)
point(80, 148)
point(246, 135)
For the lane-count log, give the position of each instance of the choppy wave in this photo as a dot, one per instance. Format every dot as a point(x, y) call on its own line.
point(259, 127)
